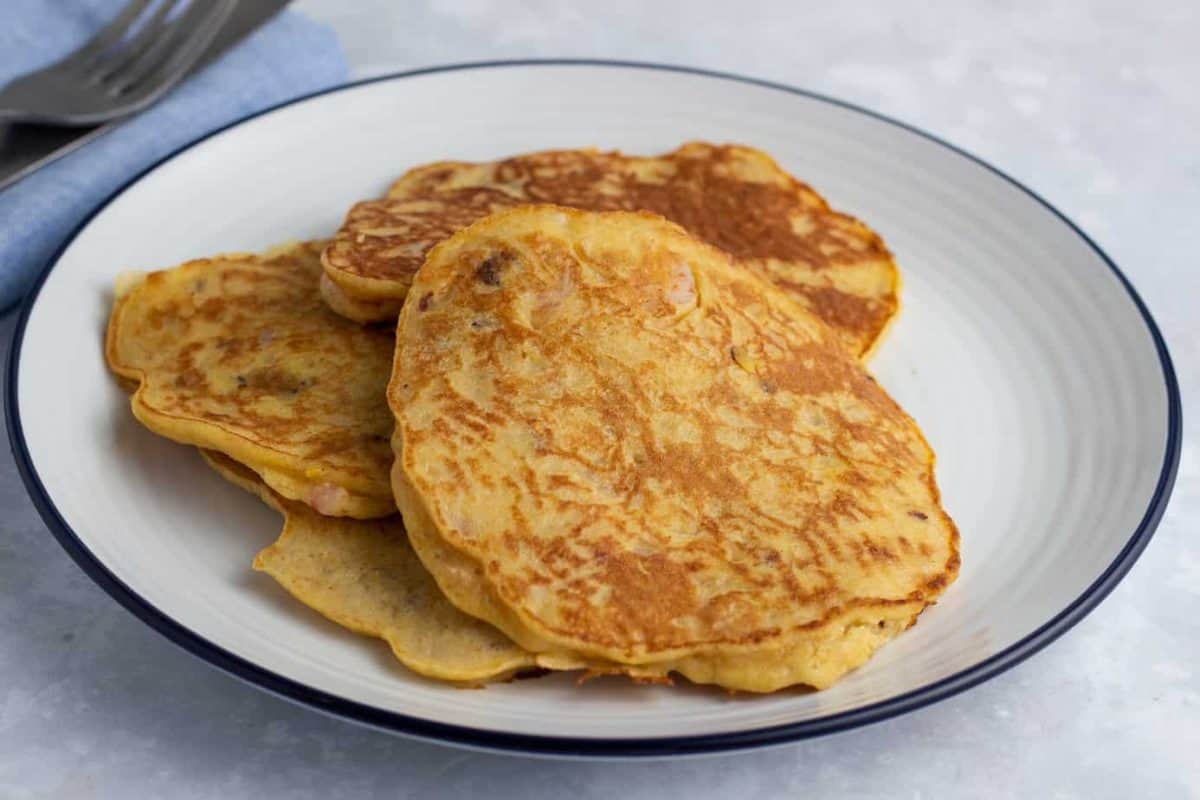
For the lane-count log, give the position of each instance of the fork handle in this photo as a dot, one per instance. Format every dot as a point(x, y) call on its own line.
point(12, 116)
point(28, 148)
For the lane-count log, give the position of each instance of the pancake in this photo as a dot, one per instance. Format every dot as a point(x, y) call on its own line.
point(734, 197)
point(618, 447)
point(363, 575)
point(239, 354)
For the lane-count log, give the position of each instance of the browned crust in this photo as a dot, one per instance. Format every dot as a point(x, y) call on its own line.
point(732, 196)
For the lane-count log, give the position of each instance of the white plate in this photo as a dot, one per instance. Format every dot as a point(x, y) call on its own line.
point(1036, 372)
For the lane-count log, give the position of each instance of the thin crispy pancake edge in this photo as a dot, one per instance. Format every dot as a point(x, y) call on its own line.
point(501, 667)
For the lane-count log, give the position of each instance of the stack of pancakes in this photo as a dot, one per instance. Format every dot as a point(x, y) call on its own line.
point(618, 403)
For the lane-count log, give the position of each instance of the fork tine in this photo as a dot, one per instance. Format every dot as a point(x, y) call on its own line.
point(145, 36)
point(181, 42)
point(108, 36)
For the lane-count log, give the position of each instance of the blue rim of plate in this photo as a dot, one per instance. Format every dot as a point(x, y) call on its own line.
point(608, 747)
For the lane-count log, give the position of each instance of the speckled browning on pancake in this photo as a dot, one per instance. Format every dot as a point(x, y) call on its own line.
point(363, 575)
point(614, 444)
point(239, 354)
point(734, 197)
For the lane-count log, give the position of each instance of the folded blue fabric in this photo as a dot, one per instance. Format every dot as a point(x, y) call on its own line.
point(288, 56)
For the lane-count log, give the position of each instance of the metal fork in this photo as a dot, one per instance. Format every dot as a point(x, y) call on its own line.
point(125, 67)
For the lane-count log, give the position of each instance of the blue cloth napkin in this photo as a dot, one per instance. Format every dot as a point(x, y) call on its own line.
point(288, 56)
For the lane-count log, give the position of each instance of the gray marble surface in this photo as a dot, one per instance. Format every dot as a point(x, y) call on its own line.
point(1096, 105)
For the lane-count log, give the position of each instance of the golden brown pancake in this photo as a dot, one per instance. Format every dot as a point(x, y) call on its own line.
point(239, 354)
point(734, 197)
point(617, 446)
point(363, 575)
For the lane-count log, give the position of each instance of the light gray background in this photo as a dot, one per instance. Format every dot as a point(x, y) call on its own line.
point(1095, 105)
